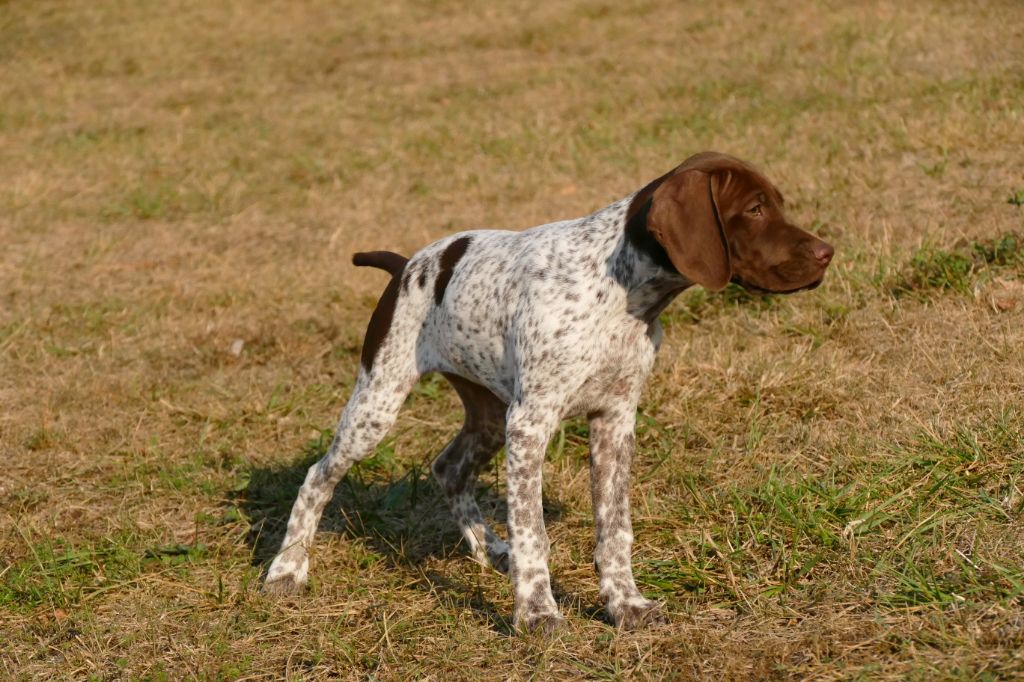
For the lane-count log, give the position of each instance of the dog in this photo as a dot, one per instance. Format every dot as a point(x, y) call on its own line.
point(537, 326)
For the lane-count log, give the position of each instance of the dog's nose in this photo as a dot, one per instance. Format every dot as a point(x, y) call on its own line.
point(823, 253)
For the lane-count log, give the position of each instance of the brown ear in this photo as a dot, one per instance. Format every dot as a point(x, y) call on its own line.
point(684, 219)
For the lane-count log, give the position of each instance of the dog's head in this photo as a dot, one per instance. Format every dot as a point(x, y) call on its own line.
point(719, 220)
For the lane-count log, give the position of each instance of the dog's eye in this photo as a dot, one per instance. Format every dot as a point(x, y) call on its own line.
point(755, 210)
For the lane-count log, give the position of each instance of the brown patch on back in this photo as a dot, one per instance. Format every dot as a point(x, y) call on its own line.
point(449, 259)
point(380, 320)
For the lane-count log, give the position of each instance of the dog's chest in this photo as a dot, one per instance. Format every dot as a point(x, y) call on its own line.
point(618, 371)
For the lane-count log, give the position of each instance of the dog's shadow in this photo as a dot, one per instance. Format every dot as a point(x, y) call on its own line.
point(395, 516)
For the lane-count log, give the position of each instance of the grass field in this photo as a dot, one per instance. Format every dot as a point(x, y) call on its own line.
point(827, 486)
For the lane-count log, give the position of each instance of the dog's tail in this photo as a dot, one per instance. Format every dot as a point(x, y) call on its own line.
point(385, 260)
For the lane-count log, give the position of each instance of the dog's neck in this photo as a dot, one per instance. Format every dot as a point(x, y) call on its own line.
point(640, 264)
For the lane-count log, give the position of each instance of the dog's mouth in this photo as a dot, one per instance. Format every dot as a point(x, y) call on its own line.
point(754, 289)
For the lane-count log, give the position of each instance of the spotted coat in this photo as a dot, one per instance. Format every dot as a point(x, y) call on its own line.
point(533, 327)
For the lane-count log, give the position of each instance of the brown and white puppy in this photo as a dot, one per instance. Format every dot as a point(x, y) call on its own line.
point(533, 327)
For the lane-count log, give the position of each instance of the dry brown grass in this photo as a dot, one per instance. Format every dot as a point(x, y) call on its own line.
point(829, 486)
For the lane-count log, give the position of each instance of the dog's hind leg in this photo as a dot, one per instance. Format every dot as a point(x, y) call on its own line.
point(457, 466)
point(387, 374)
point(369, 415)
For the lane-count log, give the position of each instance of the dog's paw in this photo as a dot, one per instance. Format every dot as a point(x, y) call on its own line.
point(545, 624)
point(282, 586)
point(637, 614)
point(288, 573)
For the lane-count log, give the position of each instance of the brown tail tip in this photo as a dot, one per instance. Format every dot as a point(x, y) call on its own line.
point(385, 260)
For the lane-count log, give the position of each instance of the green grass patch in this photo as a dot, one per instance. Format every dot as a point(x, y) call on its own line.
point(959, 269)
point(789, 532)
point(59, 573)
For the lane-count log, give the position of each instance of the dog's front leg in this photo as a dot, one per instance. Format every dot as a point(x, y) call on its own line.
point(527, 434)
point(611, 452)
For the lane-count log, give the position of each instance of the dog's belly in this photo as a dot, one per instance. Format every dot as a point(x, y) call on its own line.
point(469, 341)
point(485, 363)
point(595, 370)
